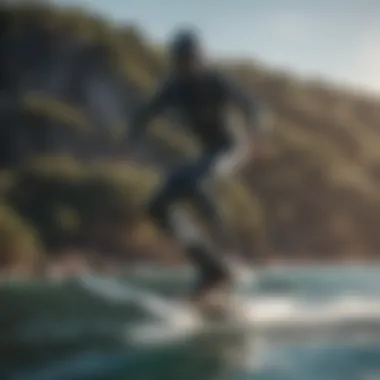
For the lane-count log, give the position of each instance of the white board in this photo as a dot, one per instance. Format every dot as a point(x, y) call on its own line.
point(175, 320)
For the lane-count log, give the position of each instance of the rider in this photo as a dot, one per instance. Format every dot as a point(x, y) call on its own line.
point(202, 96)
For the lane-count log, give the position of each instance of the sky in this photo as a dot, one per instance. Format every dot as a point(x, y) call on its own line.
point(333, 39)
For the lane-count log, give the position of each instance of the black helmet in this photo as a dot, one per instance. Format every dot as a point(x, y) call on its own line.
point(185, 43)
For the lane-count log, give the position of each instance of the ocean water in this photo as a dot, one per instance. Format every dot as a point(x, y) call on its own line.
point(307, 324)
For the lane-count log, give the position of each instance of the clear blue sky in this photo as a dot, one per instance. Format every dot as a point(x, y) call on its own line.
point(338, 39)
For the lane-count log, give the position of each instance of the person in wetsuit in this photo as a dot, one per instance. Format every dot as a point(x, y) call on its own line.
point(202, 96)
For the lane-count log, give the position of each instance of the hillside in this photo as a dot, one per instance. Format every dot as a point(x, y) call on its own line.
point(70, 80)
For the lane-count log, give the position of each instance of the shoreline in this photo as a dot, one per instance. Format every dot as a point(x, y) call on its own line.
point(73, 266)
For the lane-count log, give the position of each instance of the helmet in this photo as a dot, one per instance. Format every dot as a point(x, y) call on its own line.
point(185, 43)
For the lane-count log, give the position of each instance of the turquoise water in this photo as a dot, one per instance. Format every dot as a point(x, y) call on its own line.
point(60, 331)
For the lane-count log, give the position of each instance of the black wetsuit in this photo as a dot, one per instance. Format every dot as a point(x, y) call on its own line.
point(203, 102)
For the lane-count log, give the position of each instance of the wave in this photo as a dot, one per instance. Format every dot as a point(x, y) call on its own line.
point(266, 315)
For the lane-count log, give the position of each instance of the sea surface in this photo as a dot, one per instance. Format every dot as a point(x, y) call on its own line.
point(307, 324)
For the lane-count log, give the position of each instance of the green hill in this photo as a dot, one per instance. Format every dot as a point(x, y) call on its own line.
point(315, 196)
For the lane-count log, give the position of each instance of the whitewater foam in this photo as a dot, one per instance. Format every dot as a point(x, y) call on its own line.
point(175, 320)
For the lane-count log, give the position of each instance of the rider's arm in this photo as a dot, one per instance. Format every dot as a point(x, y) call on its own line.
point(250, 107)
point(160, 100)
point(243, 137)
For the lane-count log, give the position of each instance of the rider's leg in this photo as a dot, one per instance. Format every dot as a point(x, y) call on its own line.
point(212, 268)
point(175, 187)
point(182, 184)
point(206, 203)
point(216, 167)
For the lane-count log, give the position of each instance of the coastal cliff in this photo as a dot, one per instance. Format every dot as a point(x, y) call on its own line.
point(69, 81)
